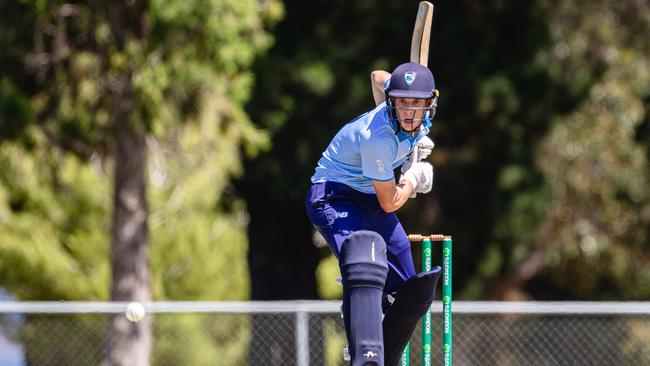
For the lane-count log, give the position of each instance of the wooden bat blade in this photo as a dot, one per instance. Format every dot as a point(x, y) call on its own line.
point(422, 33)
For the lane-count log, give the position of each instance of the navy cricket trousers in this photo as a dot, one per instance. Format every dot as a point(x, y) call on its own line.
point(338, 210)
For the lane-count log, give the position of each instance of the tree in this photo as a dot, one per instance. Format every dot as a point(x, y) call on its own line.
point(102, 81)
point(593, 162)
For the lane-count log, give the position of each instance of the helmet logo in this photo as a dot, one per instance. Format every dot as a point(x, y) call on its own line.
point(409, 77)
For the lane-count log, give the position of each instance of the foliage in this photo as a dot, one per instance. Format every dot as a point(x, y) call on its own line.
point(191, 79)
point(536, 97)
point(596, 169)
point(53, 224)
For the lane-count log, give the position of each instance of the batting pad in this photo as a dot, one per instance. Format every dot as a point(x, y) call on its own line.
point(411, 302)
point(364, 269)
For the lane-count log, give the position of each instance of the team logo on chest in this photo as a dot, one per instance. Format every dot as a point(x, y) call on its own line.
point(409, 77)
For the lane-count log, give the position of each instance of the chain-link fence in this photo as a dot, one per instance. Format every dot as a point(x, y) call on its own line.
point(311, 333)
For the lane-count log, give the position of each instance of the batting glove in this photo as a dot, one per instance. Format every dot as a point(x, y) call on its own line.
point(424, 148)
point(420, 175)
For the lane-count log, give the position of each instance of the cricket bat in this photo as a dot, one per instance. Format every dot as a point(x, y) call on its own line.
point(420, 47)
point(422, 34)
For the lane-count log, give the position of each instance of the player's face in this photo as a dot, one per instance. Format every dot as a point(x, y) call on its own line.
point(410, 112)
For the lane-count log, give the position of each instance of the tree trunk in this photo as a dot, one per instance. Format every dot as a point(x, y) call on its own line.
point(129, 343)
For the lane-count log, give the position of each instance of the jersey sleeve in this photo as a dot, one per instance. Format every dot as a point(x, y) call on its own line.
point(377, 156)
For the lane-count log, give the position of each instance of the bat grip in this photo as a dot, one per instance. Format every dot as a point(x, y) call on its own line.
point(414, 159)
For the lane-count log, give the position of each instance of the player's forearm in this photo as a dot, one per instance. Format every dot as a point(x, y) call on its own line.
point(404, 189)
point(377, 80)
point(402, 193)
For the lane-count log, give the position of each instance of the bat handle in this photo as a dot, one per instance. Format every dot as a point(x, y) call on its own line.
point(414, 159)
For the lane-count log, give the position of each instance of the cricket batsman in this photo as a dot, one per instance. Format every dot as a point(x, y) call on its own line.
point(352, 202)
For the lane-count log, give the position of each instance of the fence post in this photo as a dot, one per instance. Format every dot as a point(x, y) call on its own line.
point(302, 338)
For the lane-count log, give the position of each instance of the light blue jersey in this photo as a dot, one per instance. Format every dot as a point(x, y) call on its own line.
point(368, 148)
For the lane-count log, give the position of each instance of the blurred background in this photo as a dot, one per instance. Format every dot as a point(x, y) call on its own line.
point(161, 150)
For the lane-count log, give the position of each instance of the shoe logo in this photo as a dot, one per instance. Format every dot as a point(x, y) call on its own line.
point(369, 354)
point(341, 215)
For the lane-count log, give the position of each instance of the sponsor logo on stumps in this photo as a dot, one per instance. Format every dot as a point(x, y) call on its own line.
point(446, 350)
point(427, 354)
point(445, 276)
point(404, 360)
point(447, 359)
point(427, 252)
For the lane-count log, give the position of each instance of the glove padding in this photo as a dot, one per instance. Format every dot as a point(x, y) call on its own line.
point(423, 148)
point(420, 175)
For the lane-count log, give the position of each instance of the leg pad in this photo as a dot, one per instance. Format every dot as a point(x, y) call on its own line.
point(364, 269)
point(411, 303)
